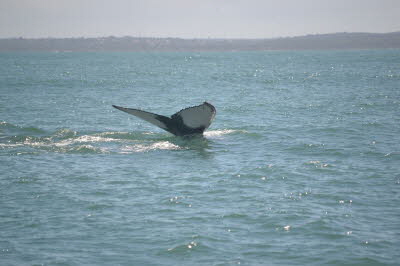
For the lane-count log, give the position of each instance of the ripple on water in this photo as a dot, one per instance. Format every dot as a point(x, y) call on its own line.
point(303, 170)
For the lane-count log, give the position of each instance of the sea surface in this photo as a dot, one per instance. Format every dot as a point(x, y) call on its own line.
point(301, 165)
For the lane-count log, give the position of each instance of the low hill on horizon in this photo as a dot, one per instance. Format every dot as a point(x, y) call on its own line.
point(308, 42)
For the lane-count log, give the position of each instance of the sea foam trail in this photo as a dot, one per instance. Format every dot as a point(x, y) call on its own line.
point(66, 140)
point(70, 141)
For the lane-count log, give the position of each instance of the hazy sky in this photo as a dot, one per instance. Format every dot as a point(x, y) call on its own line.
point(195, 18)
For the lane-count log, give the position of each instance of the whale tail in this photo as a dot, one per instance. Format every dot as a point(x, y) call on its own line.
point(188, 121)
point(155, 119)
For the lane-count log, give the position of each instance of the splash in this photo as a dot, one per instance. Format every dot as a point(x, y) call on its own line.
point(161, 145)
point(222, 132)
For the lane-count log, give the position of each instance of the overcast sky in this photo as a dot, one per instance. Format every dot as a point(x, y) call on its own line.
point(195, 18)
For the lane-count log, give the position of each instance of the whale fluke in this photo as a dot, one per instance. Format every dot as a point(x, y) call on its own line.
point(188, 121)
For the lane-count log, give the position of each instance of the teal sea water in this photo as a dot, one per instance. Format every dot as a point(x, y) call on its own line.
point(300, 167)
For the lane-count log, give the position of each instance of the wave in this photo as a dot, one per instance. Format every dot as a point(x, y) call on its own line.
point(10, 128)
point(27, 140)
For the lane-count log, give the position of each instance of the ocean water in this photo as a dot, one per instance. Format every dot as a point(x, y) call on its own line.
point(300, 167)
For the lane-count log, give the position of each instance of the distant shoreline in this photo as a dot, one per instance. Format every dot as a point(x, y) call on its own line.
point(332, 41)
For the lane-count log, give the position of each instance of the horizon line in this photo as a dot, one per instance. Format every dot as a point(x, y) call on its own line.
point(199, 38)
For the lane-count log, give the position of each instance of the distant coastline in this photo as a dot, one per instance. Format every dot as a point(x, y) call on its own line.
point(330, 41)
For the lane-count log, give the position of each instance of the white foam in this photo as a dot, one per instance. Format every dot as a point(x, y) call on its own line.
point(83, 139)
point(218, 133)
point(6, 145)
point(88, 138)
point(161, 145)
point(50, 142)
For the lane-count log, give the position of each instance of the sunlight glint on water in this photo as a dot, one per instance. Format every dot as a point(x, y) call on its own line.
point(300, 167)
